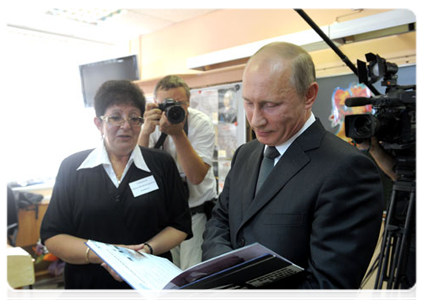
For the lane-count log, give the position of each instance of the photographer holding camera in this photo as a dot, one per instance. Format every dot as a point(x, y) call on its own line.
point(188, 136)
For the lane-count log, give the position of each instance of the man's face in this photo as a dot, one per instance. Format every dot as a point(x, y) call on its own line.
point(177, 94)
point(274, 109)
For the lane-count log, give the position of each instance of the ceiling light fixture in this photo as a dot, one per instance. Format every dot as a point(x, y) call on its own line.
point(89, 16)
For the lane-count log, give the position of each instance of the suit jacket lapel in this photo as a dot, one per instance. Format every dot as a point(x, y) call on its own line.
point(294, 159)
point(292, 162)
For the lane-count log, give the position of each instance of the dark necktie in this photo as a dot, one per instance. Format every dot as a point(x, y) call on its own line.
point(266, 165)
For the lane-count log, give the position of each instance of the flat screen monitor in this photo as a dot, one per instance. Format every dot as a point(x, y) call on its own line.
point(93, 75)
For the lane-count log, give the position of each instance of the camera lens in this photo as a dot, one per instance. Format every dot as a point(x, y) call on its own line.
point(175, 114)
point(363, 126)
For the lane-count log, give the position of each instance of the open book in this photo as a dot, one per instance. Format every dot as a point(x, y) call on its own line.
point(251, 266)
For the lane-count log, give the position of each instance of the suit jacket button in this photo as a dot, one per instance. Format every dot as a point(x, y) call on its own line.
point(241, 242)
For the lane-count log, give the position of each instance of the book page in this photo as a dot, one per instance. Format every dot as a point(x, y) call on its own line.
point(231, 258)
point(250, 266)
point(139, 270)
point(223, 262)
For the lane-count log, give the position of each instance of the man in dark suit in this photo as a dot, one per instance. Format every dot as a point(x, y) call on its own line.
point(321, 205)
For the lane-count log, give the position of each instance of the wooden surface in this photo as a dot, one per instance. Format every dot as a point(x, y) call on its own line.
point(29, 229)
point(30, 223)
point(20, 268)
point(29, 220)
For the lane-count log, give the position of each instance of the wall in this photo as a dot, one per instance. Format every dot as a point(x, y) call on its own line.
point(43, 94)
point(166, 51)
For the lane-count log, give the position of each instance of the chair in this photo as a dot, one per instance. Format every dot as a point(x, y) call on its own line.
point(11, 216)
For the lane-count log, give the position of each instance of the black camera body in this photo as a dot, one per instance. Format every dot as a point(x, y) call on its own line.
point(175, 113)
point(394, 120)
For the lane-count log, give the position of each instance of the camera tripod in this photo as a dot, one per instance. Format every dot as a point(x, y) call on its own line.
point(399, 226)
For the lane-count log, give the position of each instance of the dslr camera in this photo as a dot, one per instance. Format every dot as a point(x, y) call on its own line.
point(175, 113)
point(394, 119)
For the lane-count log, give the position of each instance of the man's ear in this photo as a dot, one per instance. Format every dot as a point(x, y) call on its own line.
point(311, 94)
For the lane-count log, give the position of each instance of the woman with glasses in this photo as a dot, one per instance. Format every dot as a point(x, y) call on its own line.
point(118, 193)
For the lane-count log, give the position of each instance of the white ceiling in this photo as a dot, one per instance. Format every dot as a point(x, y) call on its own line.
point(130, 24)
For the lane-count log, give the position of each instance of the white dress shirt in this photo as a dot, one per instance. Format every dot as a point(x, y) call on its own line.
point(99, 156)
point(284, 146)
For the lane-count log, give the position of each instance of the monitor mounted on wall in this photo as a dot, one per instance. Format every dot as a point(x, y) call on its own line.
point(93, 75)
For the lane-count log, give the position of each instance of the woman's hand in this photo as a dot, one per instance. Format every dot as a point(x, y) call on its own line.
point(113, 273)
point(162, 242)
point(139, 248)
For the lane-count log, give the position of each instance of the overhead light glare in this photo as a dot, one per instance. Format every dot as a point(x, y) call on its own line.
point(90, 16)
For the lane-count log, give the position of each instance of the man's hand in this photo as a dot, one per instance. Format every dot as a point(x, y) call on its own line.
point(365, 145)
point(384, 160)
point(152, 117)
point(169, 128)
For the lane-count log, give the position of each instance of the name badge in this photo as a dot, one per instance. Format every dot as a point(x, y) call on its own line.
point(143, 186)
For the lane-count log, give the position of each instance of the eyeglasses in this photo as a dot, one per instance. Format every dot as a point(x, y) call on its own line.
point(119, 121)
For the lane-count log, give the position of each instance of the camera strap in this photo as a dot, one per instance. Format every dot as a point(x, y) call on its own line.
point(163, 136)
point(160, 141)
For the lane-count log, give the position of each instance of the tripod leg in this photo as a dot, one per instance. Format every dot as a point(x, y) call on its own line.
point(385, 252)
point(405, 244)
point(395, 258)
point(397, 237)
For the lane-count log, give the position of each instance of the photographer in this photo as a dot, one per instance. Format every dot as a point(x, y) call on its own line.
point(191, 143)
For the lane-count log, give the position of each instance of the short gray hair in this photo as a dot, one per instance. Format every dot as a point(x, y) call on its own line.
point(303, 70)
point(171, 82)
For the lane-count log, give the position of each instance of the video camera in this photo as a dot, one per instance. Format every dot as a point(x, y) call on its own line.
point(394, 119)
point(393, 122)
point(175, 113)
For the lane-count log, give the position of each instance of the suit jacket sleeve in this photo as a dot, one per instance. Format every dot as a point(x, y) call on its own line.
point(345, 226)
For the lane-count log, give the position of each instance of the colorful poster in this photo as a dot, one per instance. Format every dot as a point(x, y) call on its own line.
point(340, 110)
